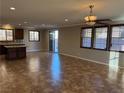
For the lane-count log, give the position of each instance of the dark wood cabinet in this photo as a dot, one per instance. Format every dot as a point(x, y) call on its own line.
point(21, 52)
point(11, 53)
point(16, 53)
point(2, 50)
point(19, 34)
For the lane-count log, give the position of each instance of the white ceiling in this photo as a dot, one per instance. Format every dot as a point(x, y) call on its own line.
point(40, 13)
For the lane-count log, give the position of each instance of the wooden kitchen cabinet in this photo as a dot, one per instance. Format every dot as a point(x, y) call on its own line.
point(2, 50)
point(11, 53)
point(21, 52)
point(19, 34)
point(15, 52)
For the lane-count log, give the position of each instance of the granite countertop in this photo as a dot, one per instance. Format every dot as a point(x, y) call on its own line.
point(15, 46)
point(11, 44)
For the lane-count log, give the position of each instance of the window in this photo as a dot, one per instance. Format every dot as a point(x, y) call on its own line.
point(6, 35)
point(2, 35)
point(100, 37)
point(86, 37)
point(9, 34)
point(117, 42)
point(103, 37)
point(34, 36)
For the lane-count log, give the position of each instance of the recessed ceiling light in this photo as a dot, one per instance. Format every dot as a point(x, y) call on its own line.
point(25, 22)
point(19, 24)
point(66, 20)
point(12, 8)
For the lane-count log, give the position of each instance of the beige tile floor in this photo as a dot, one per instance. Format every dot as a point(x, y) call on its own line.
point(53, 73)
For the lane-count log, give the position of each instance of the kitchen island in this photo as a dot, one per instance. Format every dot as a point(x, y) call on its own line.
point(3, 49)
point(15, 51)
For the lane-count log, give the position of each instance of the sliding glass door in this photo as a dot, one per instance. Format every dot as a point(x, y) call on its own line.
point(53, 41)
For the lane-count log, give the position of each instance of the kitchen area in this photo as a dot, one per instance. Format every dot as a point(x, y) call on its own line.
point(11, 45)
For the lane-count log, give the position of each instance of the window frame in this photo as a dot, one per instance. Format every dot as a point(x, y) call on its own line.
point(109, 38)
point(6, 35)
point(34, 40)
point(115, 25)
point(81, 38)
point(93, 39)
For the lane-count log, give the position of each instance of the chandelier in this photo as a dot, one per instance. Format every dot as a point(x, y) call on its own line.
point(90, 19)
point(7, 26)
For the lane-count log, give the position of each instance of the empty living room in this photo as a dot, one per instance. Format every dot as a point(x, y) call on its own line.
point(61, 46)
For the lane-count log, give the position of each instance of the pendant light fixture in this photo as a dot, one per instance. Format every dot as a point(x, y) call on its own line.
point(90, 19)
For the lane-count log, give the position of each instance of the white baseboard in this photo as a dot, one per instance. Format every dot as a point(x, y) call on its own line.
point(86, 59)
point(37, 50)
point(33, 50)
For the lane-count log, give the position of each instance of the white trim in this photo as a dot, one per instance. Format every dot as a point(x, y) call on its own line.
point(86, 59)
point(33, 50)
point(37, 50)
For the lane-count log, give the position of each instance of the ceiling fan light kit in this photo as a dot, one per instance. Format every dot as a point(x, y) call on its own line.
point(90, 19)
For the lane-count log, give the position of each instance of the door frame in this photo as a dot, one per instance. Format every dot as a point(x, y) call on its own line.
point(52, 47)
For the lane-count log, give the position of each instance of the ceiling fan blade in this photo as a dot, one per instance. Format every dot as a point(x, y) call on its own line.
point(103, 20)
point(103, 23)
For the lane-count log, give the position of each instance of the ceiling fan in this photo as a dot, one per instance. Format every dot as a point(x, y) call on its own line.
point(92, 19)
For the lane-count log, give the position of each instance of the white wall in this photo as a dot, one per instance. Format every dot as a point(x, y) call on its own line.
point(45, 40)
point(69, 43)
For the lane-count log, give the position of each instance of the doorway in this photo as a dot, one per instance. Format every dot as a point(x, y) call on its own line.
point(53, 41)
